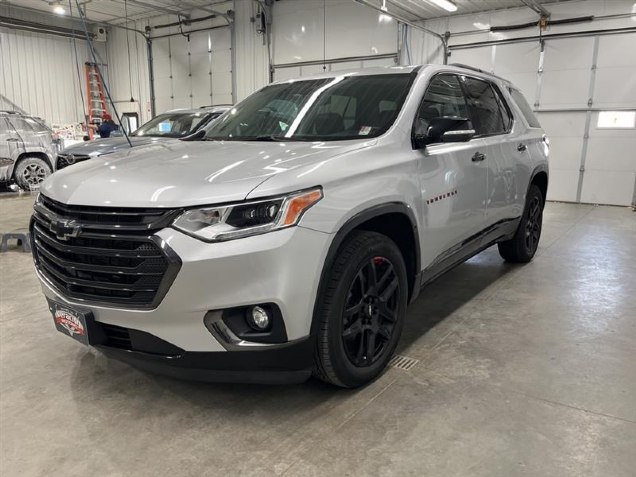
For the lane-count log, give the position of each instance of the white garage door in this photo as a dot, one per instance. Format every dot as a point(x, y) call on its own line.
point(574, 80)
point(310, 31)
point(194, 73)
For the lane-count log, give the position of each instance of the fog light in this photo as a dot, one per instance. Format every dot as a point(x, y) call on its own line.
point(258, 318)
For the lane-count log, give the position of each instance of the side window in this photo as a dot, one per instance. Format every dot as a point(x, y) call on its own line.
point(525, 108)
point(504, 109)
point(35, 125)
point(443, 97)
point(483, 107)
point(5, 126)
point(20, 125)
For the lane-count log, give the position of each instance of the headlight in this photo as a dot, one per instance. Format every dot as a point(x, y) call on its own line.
point(214, 224)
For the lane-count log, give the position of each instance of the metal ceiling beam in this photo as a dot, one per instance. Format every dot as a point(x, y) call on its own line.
point(533, 5)
point(403, 8)
point(206, 9)
point(152, 6)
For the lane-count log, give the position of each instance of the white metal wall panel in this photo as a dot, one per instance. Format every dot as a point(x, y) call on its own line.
point(38, 73)
point(251, 58)
point(351, 30)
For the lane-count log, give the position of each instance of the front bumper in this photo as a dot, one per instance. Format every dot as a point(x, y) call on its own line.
point(284, 364)
point(281, 267)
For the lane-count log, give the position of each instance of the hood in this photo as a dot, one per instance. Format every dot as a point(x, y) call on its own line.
point(179, 173)
point(109, 145)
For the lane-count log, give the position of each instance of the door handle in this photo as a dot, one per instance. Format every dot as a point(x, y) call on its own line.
point(521, 147)
point(13, 139)
point(478, 157)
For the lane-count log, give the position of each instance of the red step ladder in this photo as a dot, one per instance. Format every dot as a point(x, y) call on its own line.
point(97, 105)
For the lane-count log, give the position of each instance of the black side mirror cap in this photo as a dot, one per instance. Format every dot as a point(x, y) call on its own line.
point(445, 129)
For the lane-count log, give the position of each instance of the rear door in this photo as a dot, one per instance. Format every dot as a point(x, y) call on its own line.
point(33, 136)
point(6, 158)
point(453, 178)
point(492, 122)
point(11, 145)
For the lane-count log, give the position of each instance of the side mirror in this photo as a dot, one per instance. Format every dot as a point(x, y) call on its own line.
point(445, 129)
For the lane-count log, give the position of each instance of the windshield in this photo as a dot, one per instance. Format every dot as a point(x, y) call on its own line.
point(173, 124)
point(330, 109)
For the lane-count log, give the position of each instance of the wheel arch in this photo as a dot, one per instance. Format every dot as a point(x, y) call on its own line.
point(397, 221)
point(39, 154)
point(539, 178)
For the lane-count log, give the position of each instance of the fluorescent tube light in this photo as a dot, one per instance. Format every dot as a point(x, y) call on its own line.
point(445, 4)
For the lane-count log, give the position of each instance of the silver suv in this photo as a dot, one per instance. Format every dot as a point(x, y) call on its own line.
point(291, 238)
point(170, 125)
point(27, 150)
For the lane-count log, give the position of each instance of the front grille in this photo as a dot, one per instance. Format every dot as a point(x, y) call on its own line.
point(65, 160)
point(104, 255)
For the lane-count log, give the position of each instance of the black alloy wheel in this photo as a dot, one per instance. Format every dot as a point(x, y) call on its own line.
point(533, 224)
point(360, 310)
point(522, 247)
point(371, 311)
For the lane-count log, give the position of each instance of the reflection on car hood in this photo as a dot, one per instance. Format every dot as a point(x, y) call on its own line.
point(177, 173)
point(109, 145)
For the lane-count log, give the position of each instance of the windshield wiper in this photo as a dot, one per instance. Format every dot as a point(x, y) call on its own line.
point(269, 137)
point(196, 136)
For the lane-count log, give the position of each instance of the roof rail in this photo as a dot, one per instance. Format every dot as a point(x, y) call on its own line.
point(473, 68)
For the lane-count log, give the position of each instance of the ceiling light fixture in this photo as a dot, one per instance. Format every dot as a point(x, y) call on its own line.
point(445, 4)
point(58, 9)
point(383, 7)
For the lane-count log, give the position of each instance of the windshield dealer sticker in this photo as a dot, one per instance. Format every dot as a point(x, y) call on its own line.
point(364, 130)
point(69, 322)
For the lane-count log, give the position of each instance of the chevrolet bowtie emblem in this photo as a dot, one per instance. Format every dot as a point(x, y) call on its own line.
point(64, 229)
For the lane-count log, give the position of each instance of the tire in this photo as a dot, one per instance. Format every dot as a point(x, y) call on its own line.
point(522, 247)
point(30, 172)
point(375, 315)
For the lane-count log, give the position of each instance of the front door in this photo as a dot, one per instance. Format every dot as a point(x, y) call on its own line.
point(453, 176)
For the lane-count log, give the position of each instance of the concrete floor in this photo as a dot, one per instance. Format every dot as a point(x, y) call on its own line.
point(523, 371)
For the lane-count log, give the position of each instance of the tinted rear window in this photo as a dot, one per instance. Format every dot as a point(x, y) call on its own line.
point(483, 107)
point(525, 108)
